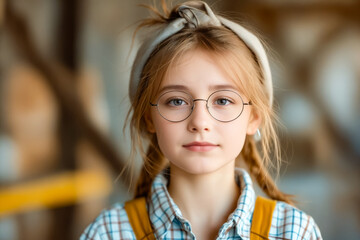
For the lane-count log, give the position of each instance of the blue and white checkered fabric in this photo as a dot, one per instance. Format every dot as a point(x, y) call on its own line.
point(167, 221)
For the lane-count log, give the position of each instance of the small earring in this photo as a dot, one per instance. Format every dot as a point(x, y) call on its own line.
point(257, 135)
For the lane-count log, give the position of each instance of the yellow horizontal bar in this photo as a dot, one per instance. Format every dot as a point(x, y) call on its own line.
point(57, 190)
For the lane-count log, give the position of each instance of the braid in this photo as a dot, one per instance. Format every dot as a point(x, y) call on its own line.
point(153, 163)
point(258, 170)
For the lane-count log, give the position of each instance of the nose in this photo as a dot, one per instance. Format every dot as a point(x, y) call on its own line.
point(199, 119)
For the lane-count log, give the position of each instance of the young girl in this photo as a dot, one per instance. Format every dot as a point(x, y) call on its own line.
point(200, 90)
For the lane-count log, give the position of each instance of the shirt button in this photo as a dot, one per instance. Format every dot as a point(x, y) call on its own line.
point(187, 227)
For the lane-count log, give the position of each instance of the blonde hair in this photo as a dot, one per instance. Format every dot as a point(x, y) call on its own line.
point(229, 50)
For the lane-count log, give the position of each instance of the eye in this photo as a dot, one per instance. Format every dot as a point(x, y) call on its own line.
point(223, 101)
point(176, 102)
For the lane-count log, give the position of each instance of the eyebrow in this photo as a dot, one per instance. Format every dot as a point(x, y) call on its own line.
point(211, 88)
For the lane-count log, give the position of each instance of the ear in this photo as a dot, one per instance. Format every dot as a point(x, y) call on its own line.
point(149, 123)
point(254, 122)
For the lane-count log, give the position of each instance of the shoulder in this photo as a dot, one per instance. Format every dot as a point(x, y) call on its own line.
point(288, 222)
point(112, 223)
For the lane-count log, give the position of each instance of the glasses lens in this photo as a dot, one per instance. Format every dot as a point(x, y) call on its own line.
point(175, 106)
point(225, 105)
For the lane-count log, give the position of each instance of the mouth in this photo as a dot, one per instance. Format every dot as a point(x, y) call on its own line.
point(200, 146)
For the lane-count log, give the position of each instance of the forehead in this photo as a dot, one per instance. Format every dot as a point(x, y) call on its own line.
point(197, 71)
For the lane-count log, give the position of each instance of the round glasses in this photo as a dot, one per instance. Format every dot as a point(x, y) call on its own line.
point(223, 105)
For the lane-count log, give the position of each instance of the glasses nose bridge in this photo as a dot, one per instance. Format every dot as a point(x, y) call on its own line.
point(197, 100)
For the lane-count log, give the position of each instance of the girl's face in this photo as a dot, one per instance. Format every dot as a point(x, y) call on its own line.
point(201, 144)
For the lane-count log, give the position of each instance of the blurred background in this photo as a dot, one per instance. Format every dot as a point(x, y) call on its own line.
point(64, 70)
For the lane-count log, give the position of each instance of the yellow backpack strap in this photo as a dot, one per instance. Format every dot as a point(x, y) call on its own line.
point(261, 221)
point(139, 218)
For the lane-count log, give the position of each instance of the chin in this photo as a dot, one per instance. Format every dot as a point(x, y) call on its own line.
point(199, 168)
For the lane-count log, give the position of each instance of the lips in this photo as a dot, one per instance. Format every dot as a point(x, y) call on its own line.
point(200, 146)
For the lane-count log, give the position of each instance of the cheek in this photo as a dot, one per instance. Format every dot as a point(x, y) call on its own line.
point(165, 133)
point(235, 135)
point(235, 139)
point(168, 141)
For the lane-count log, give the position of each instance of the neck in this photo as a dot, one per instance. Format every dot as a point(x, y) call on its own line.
point(206, 200)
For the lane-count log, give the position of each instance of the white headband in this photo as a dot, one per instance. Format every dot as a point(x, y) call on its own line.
point(194, 14)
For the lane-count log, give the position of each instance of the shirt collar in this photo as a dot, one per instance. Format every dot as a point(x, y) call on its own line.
point(245, 207)
point(163, 210)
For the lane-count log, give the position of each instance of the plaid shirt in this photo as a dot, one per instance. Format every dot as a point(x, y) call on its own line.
point(168, 222)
